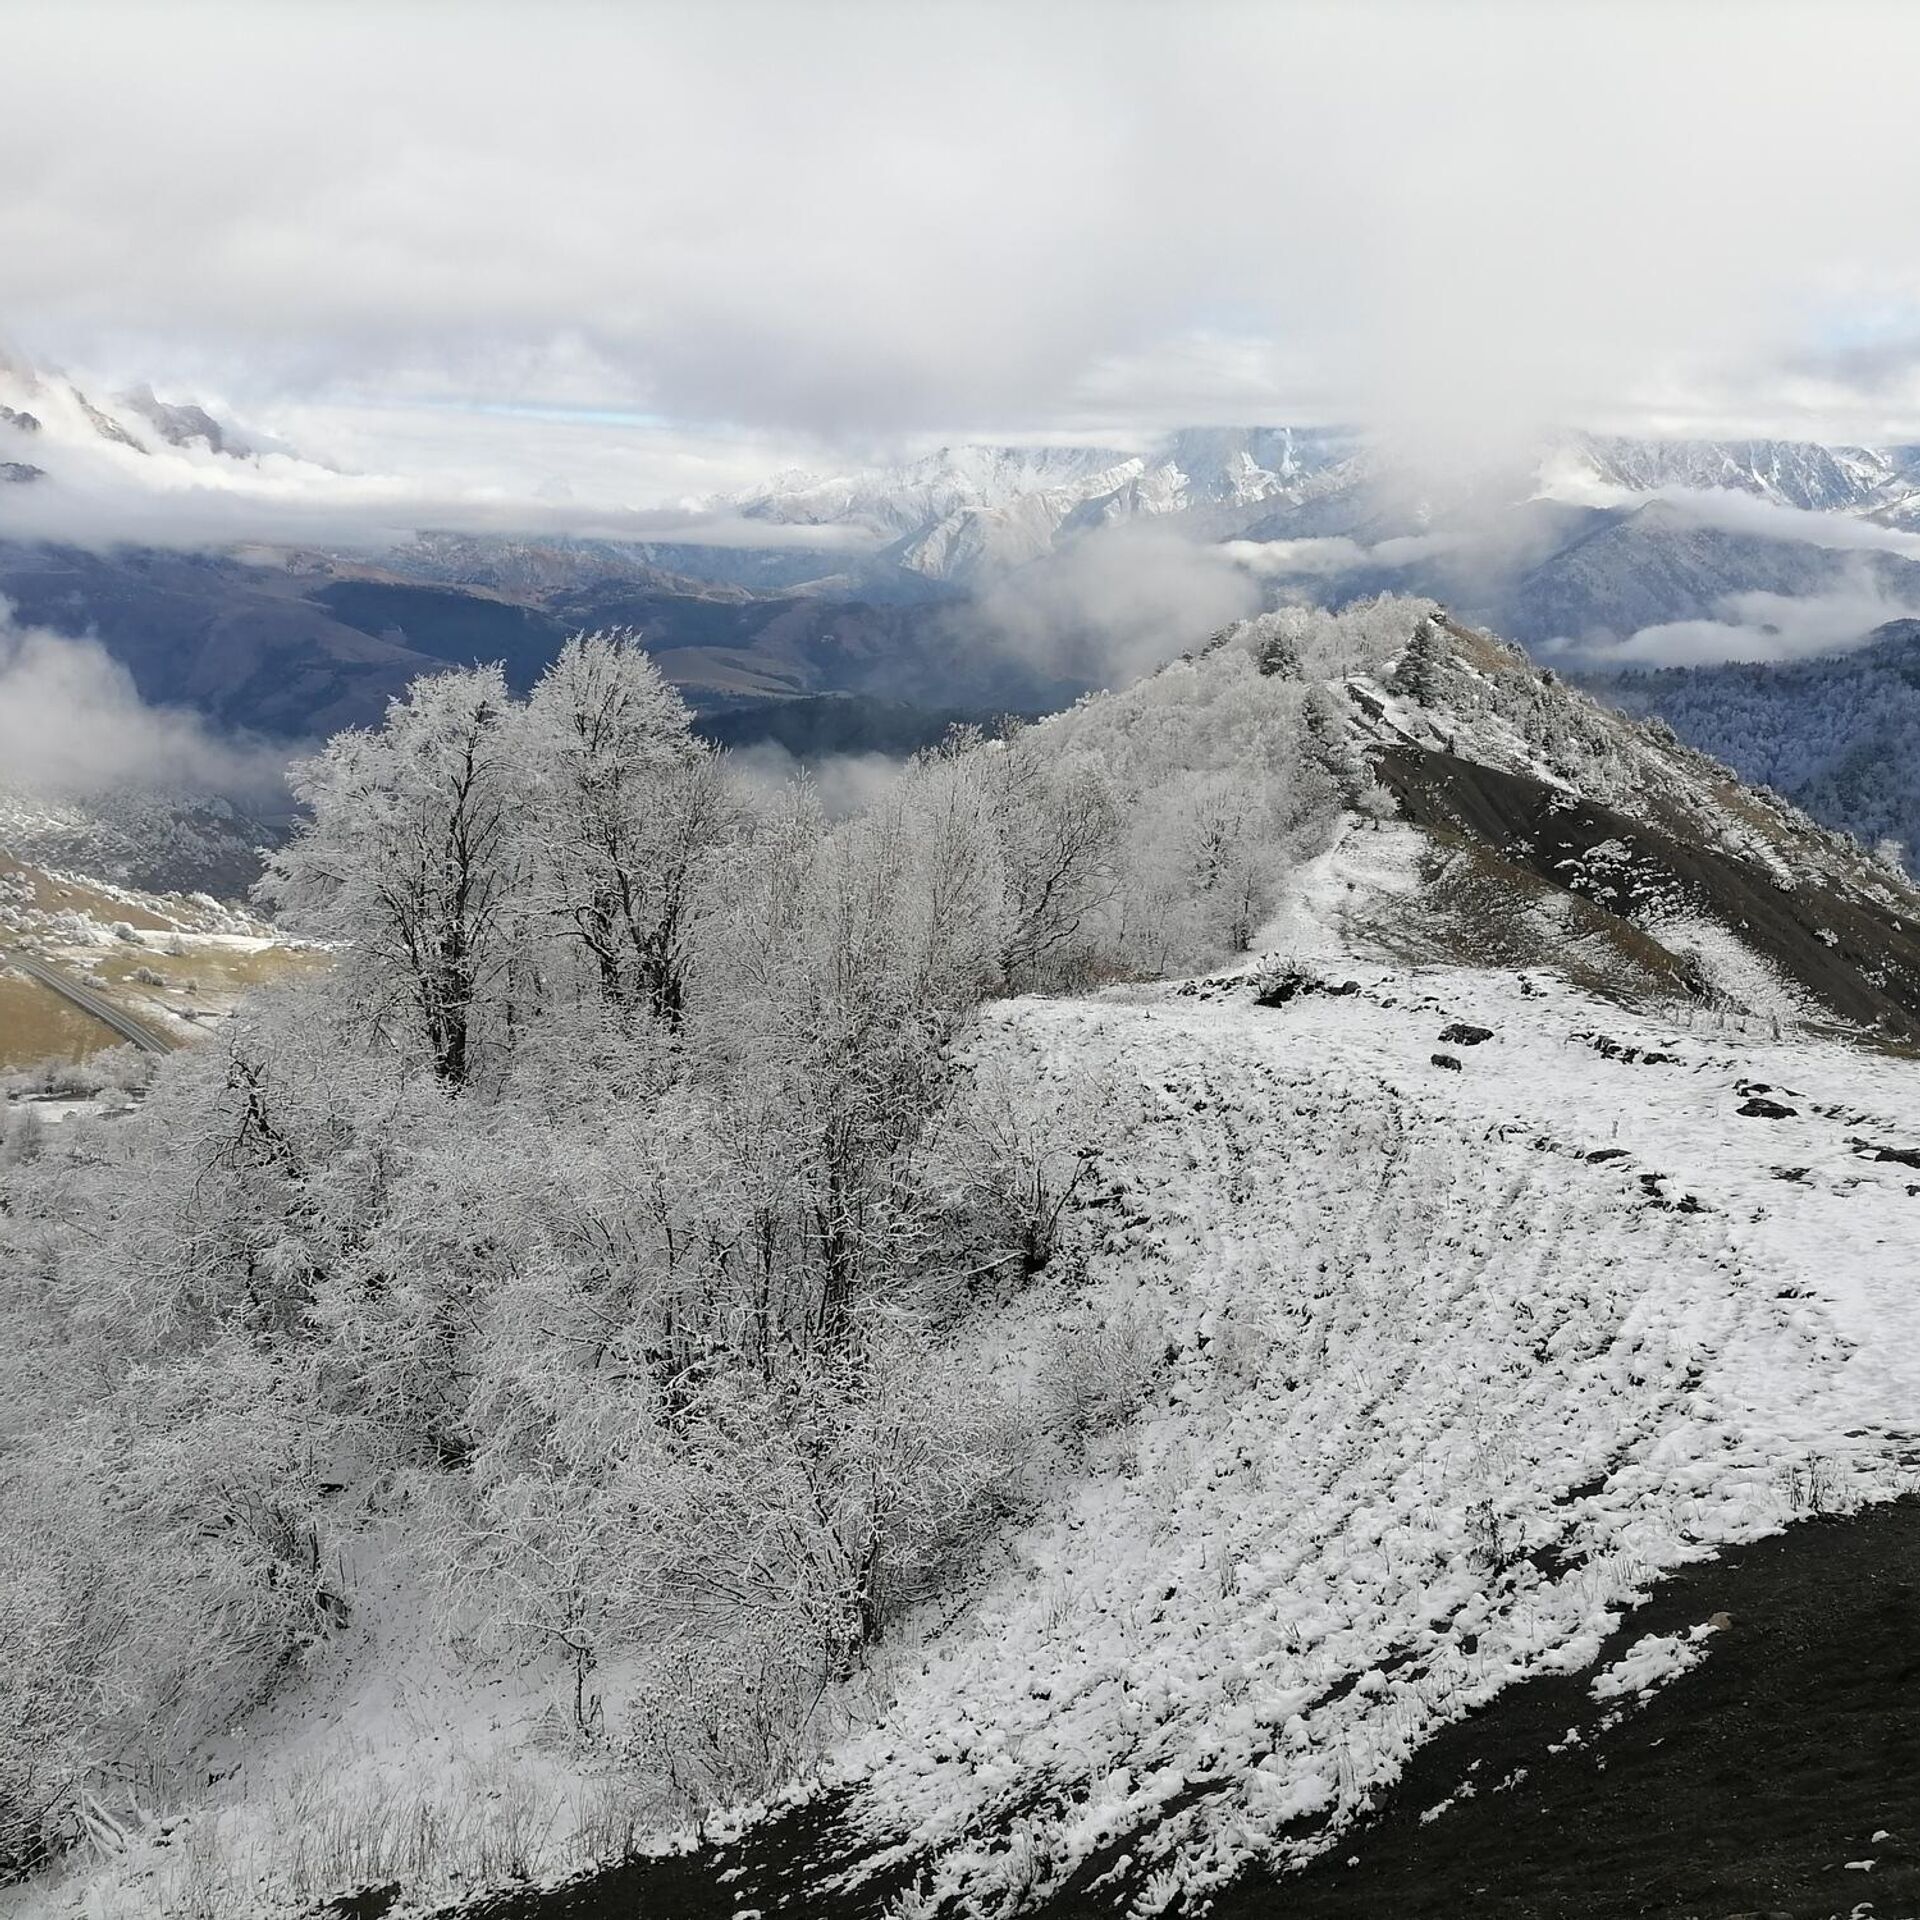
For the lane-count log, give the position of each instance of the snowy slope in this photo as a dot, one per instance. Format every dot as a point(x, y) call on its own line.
point(1449, 1361)
point(1426, 1305)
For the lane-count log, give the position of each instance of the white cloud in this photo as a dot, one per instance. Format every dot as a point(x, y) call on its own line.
point(99, 493)
point(1728, 510)
point(1766, 626)
point(72, 724)
point(1111, 604)
point(1335, 554)
point(1457, 222)
point(842, 783)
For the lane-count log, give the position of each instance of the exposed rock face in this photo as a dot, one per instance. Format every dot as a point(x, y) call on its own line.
point(105, 425)
point(179, 424)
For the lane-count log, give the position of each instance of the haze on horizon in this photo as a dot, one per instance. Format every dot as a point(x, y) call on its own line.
point(669, 249)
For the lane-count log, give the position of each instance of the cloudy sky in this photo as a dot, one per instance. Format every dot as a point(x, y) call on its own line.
point(689, 243)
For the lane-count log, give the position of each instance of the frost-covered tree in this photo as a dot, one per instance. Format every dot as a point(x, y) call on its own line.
point(1425, 667)
point(410, 860)
point(613, 1211)
point(1278, 654)
point(1056, 821)
point(625, 810)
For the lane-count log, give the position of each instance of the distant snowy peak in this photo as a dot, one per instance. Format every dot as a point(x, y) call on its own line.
point(1879, 482)
point(909, 499)
point(969, 510)
point(42, 408)
point(183, 422)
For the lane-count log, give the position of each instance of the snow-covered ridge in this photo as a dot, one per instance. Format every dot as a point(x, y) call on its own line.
point(45, 410)
point(1458, 1358)
point(1411, 1306)
point(1877, 482)
point(971, 510)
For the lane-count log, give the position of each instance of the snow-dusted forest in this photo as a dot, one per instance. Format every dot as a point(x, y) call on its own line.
point(1838, 734)
point(703, 1298)
point(592, 1236)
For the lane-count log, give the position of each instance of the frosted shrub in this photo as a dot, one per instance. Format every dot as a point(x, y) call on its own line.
point(22, 1136)
point(1023, 1158)
point(50, 1655)
point(729, 1721)
point(1094, 1380)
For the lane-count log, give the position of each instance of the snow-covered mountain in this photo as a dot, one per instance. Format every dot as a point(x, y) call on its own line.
point(1878, 482)
point(926, 504)
point(45, 415)
point(968, 512)
point(1590, 539)
point(1513, 1225)
point(1511, 1232)
point(141, 837)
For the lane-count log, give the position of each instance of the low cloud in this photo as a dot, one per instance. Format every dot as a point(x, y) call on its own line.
point(198, 499)
point(1281, 559)
point(1728, 510)
point(72, 725)
point(843, 783)
point(1766, 626)
point(1111, 605)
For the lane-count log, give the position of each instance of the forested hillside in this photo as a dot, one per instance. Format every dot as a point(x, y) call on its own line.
point(703, 1301)
point(1838, 735)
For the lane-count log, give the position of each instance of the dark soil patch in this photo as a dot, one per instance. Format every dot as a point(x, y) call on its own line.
point(1744, 1787)
point(1857, 957)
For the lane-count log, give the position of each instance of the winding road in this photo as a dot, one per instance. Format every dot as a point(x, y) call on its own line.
point(135, 1032)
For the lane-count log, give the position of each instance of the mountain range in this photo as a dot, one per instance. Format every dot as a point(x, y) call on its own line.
point(1596, 552)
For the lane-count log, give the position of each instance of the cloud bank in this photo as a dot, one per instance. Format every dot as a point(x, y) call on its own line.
point(73, 725)
point(861, 223)
point(99, 493)
point(1766, 627)
point(1111, 604)
point(1287, 559)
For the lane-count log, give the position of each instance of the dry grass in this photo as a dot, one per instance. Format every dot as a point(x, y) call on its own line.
point(213, 970)
point(36, 1025)
point(1483, 653)
point(491, 1823)
point(65, 896)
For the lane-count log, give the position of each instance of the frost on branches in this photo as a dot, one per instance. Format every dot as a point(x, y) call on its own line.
point(605, 1231)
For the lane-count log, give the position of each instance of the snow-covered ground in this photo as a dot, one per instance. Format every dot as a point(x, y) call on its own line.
point(1437, 1361)
point(1454, 1359)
